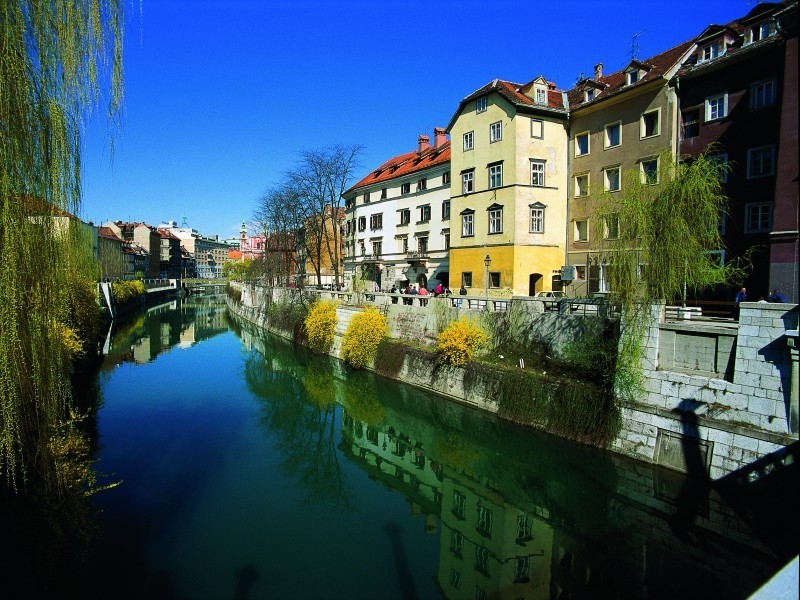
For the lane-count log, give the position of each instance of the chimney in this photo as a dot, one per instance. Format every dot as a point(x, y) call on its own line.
point(423, 143)
point(598, 71)
point(439, 136)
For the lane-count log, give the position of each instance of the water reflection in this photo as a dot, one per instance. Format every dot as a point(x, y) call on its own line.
point(519, 514)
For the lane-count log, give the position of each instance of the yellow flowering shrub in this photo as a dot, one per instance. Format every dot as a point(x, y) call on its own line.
point(125, 291)
point(320, 324)
point(364, 333)
point(459, 341)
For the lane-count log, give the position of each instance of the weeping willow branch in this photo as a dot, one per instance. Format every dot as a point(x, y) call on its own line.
point(57, 58)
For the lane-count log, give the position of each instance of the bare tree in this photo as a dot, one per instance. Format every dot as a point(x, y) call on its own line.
point(279, 215)
point(320, 178)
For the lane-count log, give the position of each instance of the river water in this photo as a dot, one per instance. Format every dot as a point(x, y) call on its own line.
point(251, 469)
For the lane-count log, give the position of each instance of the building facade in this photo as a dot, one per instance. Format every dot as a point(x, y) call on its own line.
point(397, 219)
point(509, 186)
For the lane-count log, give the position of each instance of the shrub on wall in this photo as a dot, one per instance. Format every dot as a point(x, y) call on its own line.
point(320, 324)
point(364, 333)
point(234, 293)
point(458, 342)
point(127, 291)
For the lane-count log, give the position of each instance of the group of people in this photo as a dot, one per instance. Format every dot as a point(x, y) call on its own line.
point(412, 290)
point(775, 296)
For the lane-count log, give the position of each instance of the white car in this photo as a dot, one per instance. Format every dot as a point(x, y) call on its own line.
point(552, 298)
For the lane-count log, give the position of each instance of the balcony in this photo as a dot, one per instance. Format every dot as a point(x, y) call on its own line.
point(417, 257)
point(371, 259)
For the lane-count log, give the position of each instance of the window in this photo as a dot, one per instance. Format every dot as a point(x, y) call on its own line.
point(377, 249)
point(468, 182)
point(580, 272)
point(481, 562)
point(469, 138)
point(631, 77)
point(691, 123)
point(459, 505)
point(456, 543)
point(537, 173)
point(762, 94)
point(362, 223)
point(495, 132)
point(480, 104)
point(581, 185)
point(581, 231)
point(424, 213)
point(447, 241)
point(422, 245)
point(757, 217)
point(445, 210)
point(376, 221)
point(716, 107)
point(612, 179)
point(405, 216)
point(649, 171)
point(589, 94)
point(537, 218)
point(761, 31)
point(612, 227)
point(582, 144)
point(722, 165)
point(422, 184)
point(383, 193)
point(402, 244)
point(363, 249)
point(455, 576)
point(712, 51)
point(522, 569)
point(496, 176)
point(494, 279)
point(760, 162)
point(466, 279)
point(348, 203)
point(495, 219)
point(537, 128)
point(365, 197)
point(445, 177)
point(650, 125)
point(405, 188)
point(467, 224)
point(541, 95)
point(613, 134)
point(524, 528)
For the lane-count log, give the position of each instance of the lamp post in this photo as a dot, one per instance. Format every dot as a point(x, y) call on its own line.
point(486, 262)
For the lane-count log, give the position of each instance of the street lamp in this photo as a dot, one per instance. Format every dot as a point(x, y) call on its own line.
point(486, 262)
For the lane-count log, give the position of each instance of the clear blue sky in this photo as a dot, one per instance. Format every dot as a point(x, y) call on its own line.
point(222, 94)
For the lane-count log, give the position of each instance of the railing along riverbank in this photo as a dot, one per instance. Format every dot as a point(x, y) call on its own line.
point(715, 397)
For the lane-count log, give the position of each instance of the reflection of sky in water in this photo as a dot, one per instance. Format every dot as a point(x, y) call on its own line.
point(204, 493)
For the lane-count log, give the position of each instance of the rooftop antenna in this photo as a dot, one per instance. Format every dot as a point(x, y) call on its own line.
point(184, 225)
point(635, 44)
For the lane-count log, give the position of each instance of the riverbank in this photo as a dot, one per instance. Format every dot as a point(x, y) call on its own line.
point(684, 417)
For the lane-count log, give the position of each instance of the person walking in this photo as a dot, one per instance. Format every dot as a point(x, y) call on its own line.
point(742, 295)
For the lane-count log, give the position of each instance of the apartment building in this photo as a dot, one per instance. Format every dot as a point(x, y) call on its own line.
point(509, 188)
point(397, 223)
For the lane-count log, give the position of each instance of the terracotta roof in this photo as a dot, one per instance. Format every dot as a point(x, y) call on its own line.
point(108, 233)
point(163, 233)
point(406, 164)
point(657, 66)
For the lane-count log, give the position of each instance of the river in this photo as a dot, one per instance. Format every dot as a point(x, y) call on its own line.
point(248, 468)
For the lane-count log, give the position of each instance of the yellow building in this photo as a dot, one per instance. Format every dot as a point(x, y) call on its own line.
point(509, 189)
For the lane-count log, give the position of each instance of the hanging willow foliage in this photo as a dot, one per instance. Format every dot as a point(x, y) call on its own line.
point(660, 237)
point(57, 58)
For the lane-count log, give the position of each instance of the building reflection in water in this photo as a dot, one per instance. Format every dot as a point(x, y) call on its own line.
point(519, 513)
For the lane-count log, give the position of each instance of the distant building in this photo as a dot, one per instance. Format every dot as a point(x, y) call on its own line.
point(147, 238)
point(111, 254)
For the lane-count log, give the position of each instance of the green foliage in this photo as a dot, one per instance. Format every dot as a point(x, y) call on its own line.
point(286, 315)
point(389, 357)
point(126, 292)
point(458, 343)
point(234, 293)
point(575, 409)
point(320, 325)
point(58, 60)
point(364, 333)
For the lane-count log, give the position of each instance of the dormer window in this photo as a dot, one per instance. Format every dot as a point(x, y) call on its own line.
point(541, 95)
point(761, 31)
point(589, 94)
point(712, 51)
point(480, 104)
point(631, 77)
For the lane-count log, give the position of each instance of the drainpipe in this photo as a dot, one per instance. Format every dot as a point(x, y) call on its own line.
point(569, 183)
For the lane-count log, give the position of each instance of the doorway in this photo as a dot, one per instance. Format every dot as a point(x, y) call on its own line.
point(534, 283)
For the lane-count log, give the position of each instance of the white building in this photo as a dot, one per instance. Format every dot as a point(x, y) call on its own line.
point(397, 224)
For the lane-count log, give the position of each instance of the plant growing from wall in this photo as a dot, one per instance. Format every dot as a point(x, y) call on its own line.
point(364, 333)
point(126, 292)
point(458, 343)
point(320, 325)
point(660, 238)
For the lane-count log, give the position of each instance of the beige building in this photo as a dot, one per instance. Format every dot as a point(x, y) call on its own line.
point(509, 187)
point(620, 126)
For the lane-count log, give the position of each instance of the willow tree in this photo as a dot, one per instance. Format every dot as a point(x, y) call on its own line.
point(661, 237)
point(58, 58)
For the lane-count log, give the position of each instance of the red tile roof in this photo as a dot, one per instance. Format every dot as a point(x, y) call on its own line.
point(657, 66)
point(406, 164)
point(108, 233)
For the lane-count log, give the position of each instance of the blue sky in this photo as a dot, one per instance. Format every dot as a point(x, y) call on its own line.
point(220, 95)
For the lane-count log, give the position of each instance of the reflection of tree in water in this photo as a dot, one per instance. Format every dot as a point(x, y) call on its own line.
point(360, 397)
point(301, 417)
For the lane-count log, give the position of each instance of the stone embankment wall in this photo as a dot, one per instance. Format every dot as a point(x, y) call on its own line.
point(716, 396)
